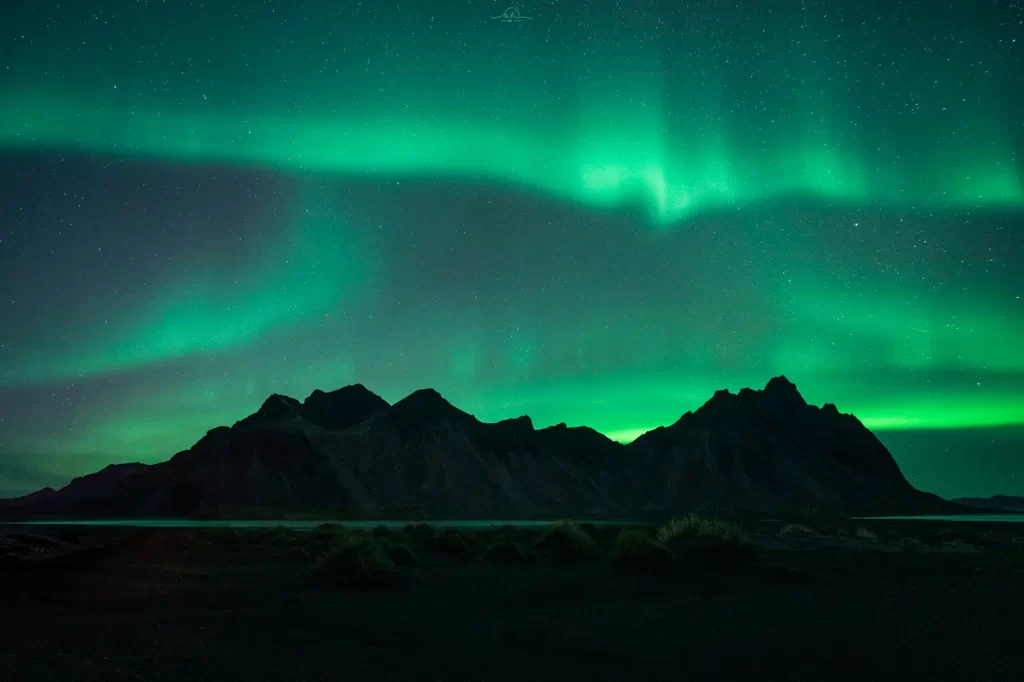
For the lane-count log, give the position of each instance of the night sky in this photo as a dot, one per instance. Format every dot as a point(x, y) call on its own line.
point(599, 213)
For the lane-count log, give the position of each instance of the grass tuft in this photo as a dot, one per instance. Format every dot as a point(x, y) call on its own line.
point(323, 538)
point(865, 535)
point(706, 543)
point(568, 540)
point(451, 543)
point(418, 532)
point(911, 545)
point(635, 551)
point(284, 537)
point(798, 531)
point(695, 526)
point(402, 555)
point(353, 561)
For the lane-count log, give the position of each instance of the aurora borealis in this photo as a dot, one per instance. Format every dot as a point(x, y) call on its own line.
point(599, 215)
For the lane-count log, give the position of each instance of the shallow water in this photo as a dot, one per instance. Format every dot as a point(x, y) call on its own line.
point(1008, 518)
point(303, 525)
point(482, 524)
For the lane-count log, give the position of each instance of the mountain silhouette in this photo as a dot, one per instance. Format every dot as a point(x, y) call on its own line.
point(332, 411)
point(1005, 503)
point(348, 452)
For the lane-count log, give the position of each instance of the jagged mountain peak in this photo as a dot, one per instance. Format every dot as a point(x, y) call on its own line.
point(343, 407)
point(278, 406)
point(522, 421)
point(332, 411)
point(783, 393)
point(562, 426)
point(722, 405)
point(584, 433)
point(781, 384)
point(352, 391)
point(112, 469)
point(763, 450)
point(779, 396)
point(830, 410)
point(427, 404)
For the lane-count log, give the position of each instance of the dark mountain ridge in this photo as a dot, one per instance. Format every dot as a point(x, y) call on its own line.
point(1005, 503)
point(332, 411)
point(349, 453)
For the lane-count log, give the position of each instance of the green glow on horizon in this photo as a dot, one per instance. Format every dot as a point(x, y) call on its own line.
point(155, 427)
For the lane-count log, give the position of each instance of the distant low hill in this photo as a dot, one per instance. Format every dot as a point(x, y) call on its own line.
point(350, 453)
point(998, 502)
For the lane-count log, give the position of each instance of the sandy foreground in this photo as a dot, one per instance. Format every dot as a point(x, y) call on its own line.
point(856, 600)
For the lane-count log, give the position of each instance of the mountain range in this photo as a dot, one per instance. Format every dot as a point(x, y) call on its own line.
point(348, 453)
point(1006, 503)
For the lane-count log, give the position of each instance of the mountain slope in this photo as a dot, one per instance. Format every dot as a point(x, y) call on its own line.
point(350, 453)
point(769, 450)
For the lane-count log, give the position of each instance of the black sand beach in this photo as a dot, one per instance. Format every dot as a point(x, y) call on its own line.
point(896, 599)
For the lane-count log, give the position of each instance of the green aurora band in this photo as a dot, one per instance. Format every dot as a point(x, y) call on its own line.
point(204, 311)
point(701, 114)
point(603, 168)
point(625, 110)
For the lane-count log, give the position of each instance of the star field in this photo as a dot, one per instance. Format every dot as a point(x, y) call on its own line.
point(600, 215)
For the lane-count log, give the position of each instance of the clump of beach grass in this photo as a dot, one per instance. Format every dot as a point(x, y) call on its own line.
point(636, 551)
point(568, 540)
point(356, 561)
point(696, 526)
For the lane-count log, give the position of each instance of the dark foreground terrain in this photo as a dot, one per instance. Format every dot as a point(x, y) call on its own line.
point(854, 600)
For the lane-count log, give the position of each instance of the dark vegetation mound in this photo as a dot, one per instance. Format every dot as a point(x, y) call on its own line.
point(636, 551)
point(452, 543)
point(567, 540)
point(507, 552)
point(707, 544)
point(402, 555)
point(352, 560)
